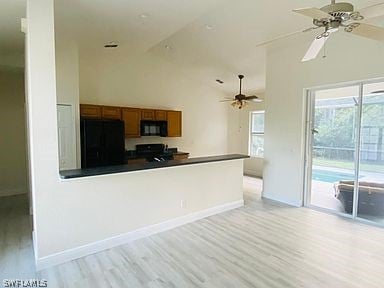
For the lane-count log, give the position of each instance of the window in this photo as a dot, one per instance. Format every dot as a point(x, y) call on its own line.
point(256, 148)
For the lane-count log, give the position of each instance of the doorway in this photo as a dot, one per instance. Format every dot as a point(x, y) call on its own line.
point(345, 150)
point(66, 137)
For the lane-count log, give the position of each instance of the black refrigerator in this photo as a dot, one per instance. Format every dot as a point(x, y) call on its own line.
point(102, 142)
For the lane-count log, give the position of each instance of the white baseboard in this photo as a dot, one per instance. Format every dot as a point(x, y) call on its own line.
point(253, 173)
point(78, 252)
point(34, 243)
point(12, 192)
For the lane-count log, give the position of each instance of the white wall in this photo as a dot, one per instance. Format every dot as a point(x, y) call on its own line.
point(11, 60)
point(239, 133)
point(13, 167)
point(67, 76)
point(77, 212)
point(117, 78)
point(349, 58)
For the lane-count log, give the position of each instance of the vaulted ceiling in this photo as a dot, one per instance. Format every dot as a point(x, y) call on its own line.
point(215, 38)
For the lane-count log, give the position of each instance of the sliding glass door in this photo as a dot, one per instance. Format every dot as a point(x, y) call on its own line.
point(345, 150)
point(371, 169)
point(333, 147)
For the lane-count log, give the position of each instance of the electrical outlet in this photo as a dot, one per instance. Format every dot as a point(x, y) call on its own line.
point(183, 203)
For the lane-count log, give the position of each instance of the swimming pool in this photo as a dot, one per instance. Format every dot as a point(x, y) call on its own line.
point(330, 176)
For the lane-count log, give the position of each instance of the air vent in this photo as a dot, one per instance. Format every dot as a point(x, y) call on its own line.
point(111, 45)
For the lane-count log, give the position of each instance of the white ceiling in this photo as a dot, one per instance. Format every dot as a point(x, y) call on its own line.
point(224, 51)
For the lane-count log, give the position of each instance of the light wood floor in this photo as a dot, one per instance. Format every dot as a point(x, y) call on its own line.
point(263, 244)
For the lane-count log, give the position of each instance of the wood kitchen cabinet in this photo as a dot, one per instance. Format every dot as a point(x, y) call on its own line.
point(131, 118)
point(90, 111)
point(109, 112)
point(174, 123)
point(147, 114)
point(150, 114)
point(160, 115)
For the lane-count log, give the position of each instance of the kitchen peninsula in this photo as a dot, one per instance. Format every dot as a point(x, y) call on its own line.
point(139, 200)
point(80, 212)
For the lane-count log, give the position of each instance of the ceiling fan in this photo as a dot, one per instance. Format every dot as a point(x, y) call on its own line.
point(335, 16)
point(240, 100)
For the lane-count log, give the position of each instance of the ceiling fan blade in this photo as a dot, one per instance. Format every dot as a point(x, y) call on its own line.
point(311, 29)
point(317, 44)
point(253, 98)
point(369, 31)
point(372, 11)
point(314, 49)
point(227, 100)
point(314, 13)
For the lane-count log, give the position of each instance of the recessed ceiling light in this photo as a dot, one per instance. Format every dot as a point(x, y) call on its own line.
point(168, 47)
point(111, 45)
point(208, 27)
point(143, 16)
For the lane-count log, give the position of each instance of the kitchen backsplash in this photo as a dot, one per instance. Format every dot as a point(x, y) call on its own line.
point(130, 143)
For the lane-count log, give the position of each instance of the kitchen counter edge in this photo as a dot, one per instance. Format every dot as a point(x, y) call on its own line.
point(78, 173)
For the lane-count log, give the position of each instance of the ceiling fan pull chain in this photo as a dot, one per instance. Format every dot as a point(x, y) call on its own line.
point(324, 51)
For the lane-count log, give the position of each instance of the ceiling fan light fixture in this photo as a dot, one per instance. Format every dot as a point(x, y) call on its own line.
point(239, 104)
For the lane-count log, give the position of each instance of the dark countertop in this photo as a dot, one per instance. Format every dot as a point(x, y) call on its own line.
point(77, 173)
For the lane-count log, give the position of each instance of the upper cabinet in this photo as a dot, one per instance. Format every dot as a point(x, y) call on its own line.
point(90, 111)
point(160, 115)
point(155, 115)
point(96, 111)
point(174, 123)
point(109, 112)
point(147, 114)
point(131, 118)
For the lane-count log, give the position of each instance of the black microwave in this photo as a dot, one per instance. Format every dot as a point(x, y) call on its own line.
point(153, 128)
